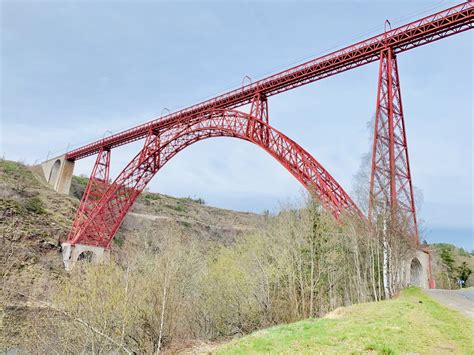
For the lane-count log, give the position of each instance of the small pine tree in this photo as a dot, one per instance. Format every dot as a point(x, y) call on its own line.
point(447, 258)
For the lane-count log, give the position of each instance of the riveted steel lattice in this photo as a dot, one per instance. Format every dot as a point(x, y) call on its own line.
point(391, 190)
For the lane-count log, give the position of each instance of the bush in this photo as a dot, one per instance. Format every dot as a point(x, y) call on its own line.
point(152, 196)
point(35, 205)
point(198, 200)
point(119, 239)
point(463, 252)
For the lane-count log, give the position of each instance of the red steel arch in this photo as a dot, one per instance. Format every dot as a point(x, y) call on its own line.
point(99, 225)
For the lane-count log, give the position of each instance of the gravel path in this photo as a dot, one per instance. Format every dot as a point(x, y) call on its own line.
point(460, 300)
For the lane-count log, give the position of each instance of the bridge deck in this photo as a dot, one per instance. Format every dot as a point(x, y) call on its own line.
point(426, 30)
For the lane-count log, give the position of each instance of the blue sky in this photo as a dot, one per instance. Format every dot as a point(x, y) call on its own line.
point(74, 71)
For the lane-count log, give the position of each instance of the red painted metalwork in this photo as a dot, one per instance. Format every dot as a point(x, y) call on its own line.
point(426, 30)
point(104, 205)
point(95, 189)
point(391, 190)
point(161, 146)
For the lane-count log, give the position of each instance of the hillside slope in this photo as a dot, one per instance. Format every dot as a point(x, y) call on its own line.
point(410, 323)
point(34, 220)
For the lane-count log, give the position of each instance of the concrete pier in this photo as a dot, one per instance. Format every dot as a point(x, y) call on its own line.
point(74, 252)
point(418, 269)
point(58, 173)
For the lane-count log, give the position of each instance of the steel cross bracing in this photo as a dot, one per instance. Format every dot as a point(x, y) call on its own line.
point(431, 28)
point(95, 189)
point(160, 146)
point(391, 190)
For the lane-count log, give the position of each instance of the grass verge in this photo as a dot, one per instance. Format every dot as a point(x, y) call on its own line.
point(413, 322)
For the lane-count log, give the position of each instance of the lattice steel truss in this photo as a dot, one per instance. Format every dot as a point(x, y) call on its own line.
point(391, 190)
point(94, 191)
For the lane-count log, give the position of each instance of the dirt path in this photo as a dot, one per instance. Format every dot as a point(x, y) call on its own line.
point(460, 300)
point(152, 217)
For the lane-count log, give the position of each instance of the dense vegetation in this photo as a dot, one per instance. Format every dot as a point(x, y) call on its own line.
point(167, 289)
point(411, 323)
point(180, 271)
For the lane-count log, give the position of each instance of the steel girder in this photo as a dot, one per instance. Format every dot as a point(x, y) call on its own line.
point(99, 226)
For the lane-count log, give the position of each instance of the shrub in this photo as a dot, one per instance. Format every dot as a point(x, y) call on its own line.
point(198, 200)
point(152, 196)
point(35, 205)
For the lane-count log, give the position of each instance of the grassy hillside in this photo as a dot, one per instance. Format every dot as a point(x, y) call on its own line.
point(411, 323)
point(33, 221)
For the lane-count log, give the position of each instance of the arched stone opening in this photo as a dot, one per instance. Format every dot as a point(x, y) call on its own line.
point(86, 255)
point(82, 253)
point(53, 175)
point(416, 273)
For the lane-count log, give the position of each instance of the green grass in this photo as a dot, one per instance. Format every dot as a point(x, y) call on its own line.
point(413, 322)
point(16, 174)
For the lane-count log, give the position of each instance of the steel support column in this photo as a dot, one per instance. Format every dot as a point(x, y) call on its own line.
point(95, 189)
point(391, 190)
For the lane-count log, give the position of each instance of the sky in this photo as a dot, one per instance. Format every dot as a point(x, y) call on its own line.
point(76, 71)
